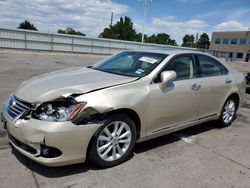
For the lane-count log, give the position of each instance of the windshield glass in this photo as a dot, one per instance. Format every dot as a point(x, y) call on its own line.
point(130, 63)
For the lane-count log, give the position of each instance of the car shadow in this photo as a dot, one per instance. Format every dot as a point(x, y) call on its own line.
point(171, 138)
point(53, 172)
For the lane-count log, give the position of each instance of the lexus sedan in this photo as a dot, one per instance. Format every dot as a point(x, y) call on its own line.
point(99, 112)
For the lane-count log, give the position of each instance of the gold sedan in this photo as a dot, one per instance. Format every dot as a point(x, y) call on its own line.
point(100, 112)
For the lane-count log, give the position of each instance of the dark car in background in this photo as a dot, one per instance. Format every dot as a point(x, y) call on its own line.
point(247, 78)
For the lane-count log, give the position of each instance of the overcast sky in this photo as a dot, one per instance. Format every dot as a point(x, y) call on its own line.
point(175, 17)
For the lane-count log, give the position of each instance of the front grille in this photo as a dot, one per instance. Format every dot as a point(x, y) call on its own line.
point(15, 108)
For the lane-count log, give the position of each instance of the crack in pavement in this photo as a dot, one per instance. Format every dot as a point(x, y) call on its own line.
point(223, 156)
point(35, 179)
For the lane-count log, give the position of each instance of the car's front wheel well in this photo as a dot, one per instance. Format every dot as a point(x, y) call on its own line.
point(236, 97)
point(132, 114)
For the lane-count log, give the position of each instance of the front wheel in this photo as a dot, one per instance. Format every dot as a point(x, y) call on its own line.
point(113, 142)
point(228, 112)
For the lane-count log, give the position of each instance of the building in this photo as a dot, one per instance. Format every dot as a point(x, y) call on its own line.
point(231, 45)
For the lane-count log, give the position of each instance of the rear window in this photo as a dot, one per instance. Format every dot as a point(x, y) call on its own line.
point(211, 67)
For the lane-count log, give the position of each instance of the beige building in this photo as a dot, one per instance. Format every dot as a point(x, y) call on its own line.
point(231, 45)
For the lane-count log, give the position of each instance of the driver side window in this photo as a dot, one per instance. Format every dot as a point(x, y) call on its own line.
point(183, 66)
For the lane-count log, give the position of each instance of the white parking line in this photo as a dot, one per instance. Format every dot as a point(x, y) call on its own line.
point(186, 138)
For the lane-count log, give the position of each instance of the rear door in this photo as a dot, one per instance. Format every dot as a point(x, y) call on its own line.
point(215, 84)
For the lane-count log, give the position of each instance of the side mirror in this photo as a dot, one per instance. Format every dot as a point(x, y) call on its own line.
point(167, 76)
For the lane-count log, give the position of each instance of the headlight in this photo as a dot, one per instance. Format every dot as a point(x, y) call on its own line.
point(60, 110)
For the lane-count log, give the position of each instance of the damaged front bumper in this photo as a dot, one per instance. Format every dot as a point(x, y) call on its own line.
point(50, 143)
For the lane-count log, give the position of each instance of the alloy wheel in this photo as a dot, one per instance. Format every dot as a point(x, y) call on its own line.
point(114, 141)
point(228, 111)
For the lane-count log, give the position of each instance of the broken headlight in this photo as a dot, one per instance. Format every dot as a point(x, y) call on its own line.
point(59, 110)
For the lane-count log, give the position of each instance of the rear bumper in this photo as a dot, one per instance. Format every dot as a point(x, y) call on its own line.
point(28, 136)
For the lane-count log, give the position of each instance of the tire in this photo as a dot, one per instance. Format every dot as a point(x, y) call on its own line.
point(113, 141)
point(228, 112)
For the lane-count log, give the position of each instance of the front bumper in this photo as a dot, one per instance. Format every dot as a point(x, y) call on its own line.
point(27, 136)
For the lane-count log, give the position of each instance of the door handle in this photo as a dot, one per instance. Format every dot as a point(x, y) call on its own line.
point(196, 87)
point(228, 81)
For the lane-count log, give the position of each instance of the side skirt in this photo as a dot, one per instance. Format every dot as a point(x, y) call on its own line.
point(173, 128)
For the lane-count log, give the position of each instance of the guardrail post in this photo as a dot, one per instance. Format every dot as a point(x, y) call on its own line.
point(52, 42)
point(92, 45)
point(48, 41)
point(109, 47)
point(72, 45)
point(25, 40)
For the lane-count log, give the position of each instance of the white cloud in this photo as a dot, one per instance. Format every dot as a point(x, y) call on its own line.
point(89, 17)
point(230, 26)
point(176, 29)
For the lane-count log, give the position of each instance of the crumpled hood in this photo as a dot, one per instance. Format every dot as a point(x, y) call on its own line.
point(66, 82)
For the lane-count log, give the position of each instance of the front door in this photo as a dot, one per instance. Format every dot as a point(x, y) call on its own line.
point(178, 102)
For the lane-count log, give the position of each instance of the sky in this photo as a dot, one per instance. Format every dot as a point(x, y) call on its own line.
point(174, 17)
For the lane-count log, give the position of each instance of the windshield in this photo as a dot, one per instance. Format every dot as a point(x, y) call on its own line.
point(130, 63)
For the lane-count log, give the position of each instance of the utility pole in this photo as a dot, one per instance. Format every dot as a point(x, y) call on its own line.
point(111, 21)
point(144, 17)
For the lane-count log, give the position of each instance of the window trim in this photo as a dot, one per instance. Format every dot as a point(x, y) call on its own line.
point(221, 65)
point(175, 56)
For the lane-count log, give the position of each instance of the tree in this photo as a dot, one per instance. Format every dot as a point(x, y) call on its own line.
point(122, 30)
point(188, 41)
point(70, 31)
point(161, 38)
point(138, 37)
point(108, 33)
point(151, 39)
point(27, 25)
point(203, 41)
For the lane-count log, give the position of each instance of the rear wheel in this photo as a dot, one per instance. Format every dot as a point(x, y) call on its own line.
point(113, 142)
point(228, 112)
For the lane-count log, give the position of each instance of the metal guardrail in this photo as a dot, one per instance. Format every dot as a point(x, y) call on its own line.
point(33, 40)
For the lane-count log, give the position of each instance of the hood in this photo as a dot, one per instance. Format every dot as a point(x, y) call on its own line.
point(66, 82)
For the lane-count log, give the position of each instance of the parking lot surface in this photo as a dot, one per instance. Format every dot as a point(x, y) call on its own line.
point(201, 156)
